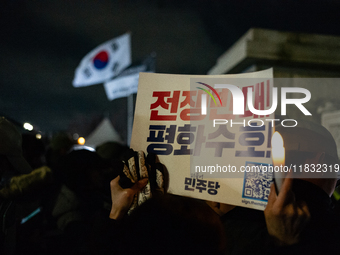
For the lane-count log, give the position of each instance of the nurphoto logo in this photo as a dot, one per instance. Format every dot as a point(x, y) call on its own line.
point(238, 100)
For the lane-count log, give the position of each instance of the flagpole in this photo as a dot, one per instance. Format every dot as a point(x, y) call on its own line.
point(129, 118)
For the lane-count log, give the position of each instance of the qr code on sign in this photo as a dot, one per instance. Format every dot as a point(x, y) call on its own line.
point(257, 181)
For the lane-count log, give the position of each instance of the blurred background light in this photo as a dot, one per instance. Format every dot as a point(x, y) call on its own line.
point(28, 126)
point(81, 140)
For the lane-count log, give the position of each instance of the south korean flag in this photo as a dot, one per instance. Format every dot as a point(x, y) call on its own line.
point(104, 62)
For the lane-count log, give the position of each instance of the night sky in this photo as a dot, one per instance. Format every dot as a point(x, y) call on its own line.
point(42, 43)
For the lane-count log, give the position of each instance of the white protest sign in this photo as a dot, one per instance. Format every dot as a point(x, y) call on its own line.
point(126, 83)
point(201, 150)
point(122, 86)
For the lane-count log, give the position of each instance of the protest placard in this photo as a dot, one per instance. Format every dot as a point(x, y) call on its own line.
point(206, 133)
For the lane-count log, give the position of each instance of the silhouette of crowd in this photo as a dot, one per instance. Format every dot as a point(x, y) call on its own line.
point(57, 198)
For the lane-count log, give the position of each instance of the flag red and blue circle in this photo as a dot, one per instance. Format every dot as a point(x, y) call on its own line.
point(101, 60)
